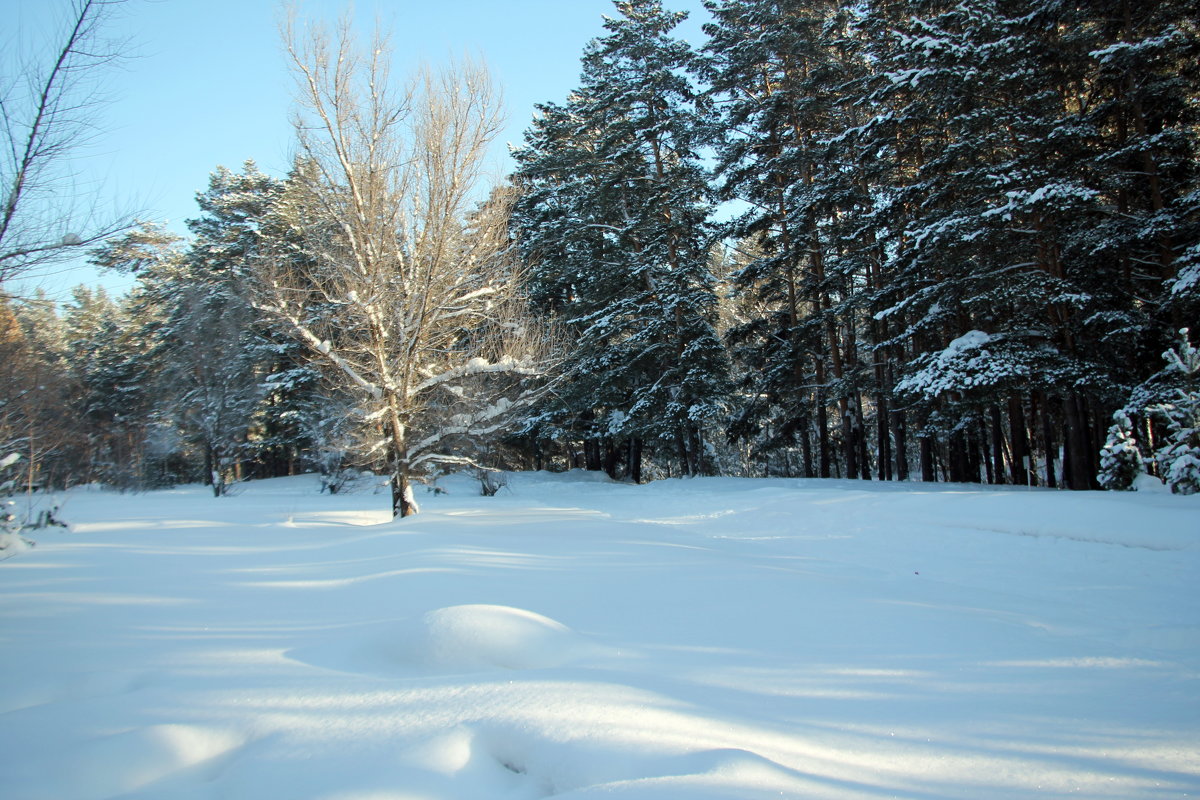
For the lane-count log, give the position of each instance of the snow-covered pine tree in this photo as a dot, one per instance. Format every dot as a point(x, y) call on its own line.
point(782, 72)
point(1120, 458)
point(556, 233)
point(124, 395)
point(113, 397)
point(210, 351)
point(987, 175)
point(1179, 457)
point(620, 164)
point(1176, 390)
point(1142, 112)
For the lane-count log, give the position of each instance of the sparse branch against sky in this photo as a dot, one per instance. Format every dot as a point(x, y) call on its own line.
point(208, 83)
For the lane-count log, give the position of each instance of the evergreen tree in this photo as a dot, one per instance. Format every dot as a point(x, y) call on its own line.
point(1120, 458)
point(780, 72)
point(120, 365)
point(620, 165)
point(222, 355)
point(210, 355)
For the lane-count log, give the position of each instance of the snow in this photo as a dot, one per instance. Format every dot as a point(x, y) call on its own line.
point(972, 361)
point(575, 637)
point(970, 340)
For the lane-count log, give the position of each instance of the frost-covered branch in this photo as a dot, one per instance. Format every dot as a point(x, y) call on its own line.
point(321, 346)
point(477, 366)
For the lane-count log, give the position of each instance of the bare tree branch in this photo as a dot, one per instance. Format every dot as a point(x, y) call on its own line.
point(406, 289)
point(47, 116)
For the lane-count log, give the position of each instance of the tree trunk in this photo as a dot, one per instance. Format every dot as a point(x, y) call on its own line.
point(1048, 442)
point(403, 502)
point(806, 448)
point(882, 419)
point(928, 473)
point(900, 431)
point(1077, 441)
point(957, 456)
point(864, 454)
point(984, 447)
point(822, 420)
point(849, 438)
point(633, 467)
point(1020, 441)
point(997, 444)
point(612, 459)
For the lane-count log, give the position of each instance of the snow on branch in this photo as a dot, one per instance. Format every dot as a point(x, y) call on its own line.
point(477, 366)
point(321, 346)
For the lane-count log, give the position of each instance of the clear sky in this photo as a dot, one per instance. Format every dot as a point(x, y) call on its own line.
point(208, 85)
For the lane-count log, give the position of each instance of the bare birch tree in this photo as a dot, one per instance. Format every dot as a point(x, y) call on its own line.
point(48, 103)
point(404, 289)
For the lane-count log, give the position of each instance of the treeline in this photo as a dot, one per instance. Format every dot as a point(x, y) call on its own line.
point(174, 382)
point(880, 240)
point(964, 233)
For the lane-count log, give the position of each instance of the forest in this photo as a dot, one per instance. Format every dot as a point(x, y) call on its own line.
point(883, 240)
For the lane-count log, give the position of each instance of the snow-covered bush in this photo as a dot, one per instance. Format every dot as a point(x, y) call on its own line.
point(11, 525)
point(490, 481)
point(1120, 459)
point(19, 513)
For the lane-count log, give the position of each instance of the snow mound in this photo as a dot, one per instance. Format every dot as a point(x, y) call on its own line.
point(480, 637)
point(453, 640)
point(124, 762)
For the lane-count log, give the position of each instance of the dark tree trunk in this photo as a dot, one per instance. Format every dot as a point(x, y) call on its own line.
point(806, 447)
point(985, 449)
point(882, 419)
point(612, 459)
point(633, 465)
point(1020, 441)
point(928, 473)
point(957, 456)
point(849, 439)
point(900, 431)
point(1048, 442)
point(860, 438)
point(971, 454)
point(591, 455)
point(823, 446)
point(997, 445)
point(1080, 475)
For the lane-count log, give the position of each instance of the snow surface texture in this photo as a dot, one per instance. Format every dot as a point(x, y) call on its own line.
point(709, 638)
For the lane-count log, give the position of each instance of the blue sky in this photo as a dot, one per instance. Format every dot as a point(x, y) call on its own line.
point(208, 83)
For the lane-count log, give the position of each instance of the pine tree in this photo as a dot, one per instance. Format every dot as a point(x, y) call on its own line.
point(1169, 404)
point(1120, 458)
point(785, 75)
point(209, 352)
point(989, 180)
point(620, 163)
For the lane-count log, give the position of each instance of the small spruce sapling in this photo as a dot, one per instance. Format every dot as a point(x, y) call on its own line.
point(1120, 459)
point(1179, 457)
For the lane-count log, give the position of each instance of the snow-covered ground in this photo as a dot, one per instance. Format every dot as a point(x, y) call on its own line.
point(711, 638)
